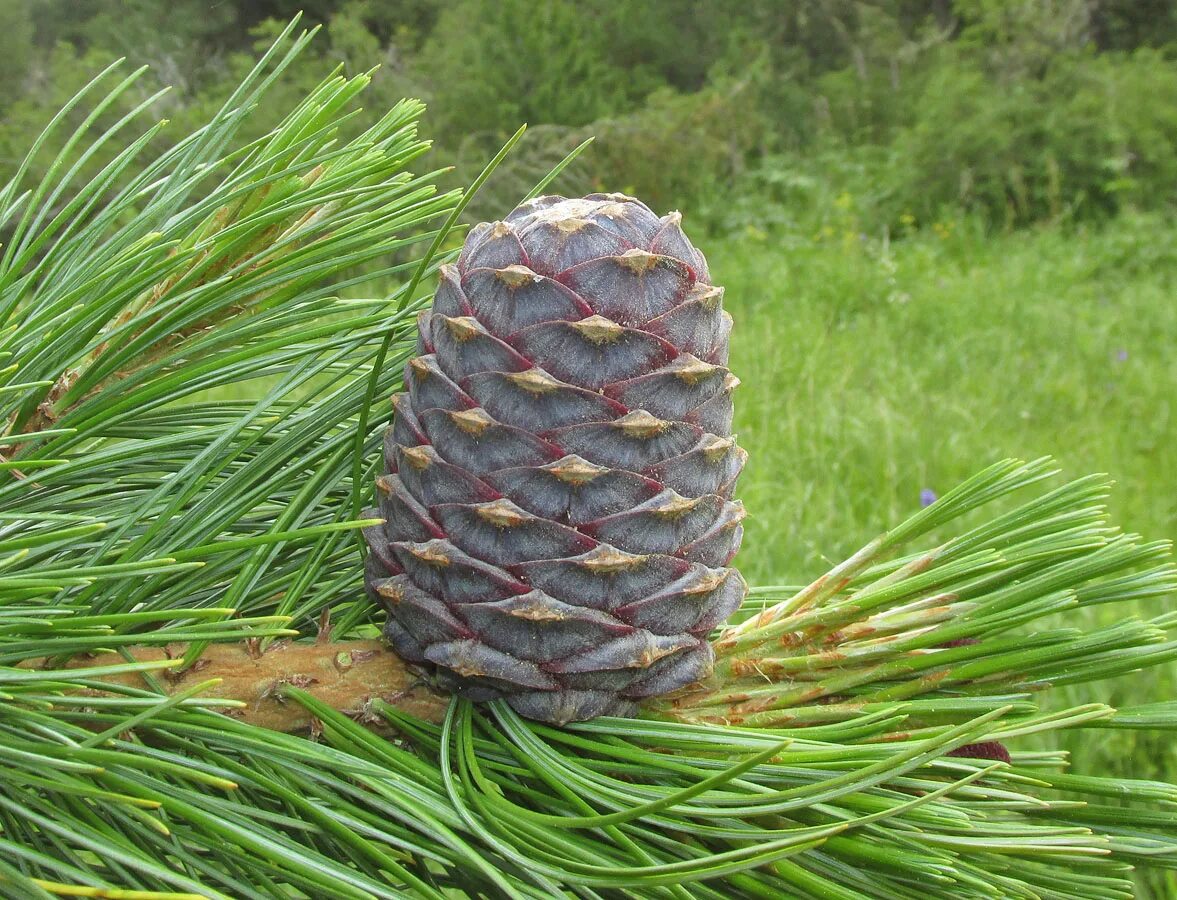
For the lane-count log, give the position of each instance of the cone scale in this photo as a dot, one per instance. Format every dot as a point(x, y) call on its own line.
point(557, 496)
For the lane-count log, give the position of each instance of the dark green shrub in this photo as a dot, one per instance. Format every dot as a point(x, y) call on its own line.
point(1092, 135)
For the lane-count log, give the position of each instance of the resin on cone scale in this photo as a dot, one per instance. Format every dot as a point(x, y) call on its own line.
point(557, 503)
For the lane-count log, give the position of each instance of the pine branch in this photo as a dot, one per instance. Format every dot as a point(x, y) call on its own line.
point(346, 676)
point(873, 635)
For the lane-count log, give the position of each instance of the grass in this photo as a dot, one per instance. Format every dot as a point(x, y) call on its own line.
point(873, 371)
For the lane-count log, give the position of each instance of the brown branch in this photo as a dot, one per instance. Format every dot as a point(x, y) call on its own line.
point(348, 675)
point(344, 675)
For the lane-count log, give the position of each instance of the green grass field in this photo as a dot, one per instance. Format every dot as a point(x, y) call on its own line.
point(872, 372)
point(870, 375)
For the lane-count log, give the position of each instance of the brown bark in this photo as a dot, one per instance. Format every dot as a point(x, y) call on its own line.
point(344, 675)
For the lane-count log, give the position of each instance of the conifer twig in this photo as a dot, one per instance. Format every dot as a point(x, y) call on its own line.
point(345, 675)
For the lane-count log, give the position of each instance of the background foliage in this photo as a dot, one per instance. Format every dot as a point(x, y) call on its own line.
point(1017, 111)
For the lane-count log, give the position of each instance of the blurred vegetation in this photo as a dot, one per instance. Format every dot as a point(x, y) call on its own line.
point(751, 113)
